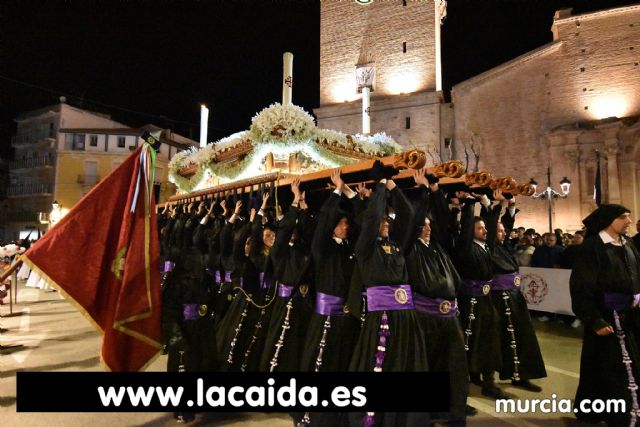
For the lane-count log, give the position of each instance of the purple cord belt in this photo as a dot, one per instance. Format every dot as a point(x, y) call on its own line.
point(330, 305)
point(505, 282)
point(618, 301)
point(389, 297)
point(266, 281)
point(476, 288)
point(435, 306)
point(193, 311)
point(168, 266)
point(227, 277)
point(284, 291)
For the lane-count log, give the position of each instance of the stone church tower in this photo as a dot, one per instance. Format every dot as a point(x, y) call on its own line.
point(406, 97)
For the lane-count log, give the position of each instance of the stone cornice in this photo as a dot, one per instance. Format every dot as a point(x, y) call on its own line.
point(520, 60)
point(598, 14)
point(381, 103)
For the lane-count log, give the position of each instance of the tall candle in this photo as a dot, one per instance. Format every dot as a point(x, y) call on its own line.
point(287, 78)
point(366, 112)
point(204, 125)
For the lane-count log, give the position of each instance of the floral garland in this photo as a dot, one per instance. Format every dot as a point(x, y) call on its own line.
point(282, 130)
point(252, 162)
point(282, 123)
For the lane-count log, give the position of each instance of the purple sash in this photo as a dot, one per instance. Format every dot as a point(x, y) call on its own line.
point(284, 291)
point(435, 306)
point(618, 301)
point(476, 288)
point(329, 305)
point(190, 311)
point(168, 266)
point(266, 281)
point(227, 277)
point(389, 297)
point(505, 282)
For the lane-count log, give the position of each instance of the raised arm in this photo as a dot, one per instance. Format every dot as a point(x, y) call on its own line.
point(465, 239)
point(402, 226)
point(509, 217)
point(287, 225)
point(491, 213)
point(371, 219)
point(226, 234)
point(327, 217)
point(256, 232)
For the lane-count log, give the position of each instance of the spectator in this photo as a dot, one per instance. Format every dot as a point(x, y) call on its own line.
point(537, 240)
point(525, 251)
point(571, 252)
point(549, 255)
point(636, 238)
point(559, 240)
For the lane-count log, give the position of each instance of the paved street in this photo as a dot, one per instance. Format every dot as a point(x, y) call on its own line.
point(56, 337)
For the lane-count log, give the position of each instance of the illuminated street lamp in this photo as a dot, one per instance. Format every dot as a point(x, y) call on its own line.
point(550, 194)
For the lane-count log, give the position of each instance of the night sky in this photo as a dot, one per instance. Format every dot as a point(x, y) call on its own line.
point(157, 61)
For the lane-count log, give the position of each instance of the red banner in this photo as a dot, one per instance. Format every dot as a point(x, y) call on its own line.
point(105, 259)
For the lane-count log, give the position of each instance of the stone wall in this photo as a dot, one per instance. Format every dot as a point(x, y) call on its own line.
point(350, 32)
point(589, 72)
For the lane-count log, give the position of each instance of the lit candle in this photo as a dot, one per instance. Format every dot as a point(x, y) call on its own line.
point(287, 78)
point(204, 125)
point(366, 112)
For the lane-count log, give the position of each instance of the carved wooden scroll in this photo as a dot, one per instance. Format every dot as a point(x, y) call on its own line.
point(412, 159)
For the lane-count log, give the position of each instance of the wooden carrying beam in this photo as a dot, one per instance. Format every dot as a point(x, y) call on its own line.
point(451, 172)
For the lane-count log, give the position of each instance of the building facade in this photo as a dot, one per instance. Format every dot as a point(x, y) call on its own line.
point(553, 107)
point(550, 108)
point(406, 97)
point(61, 152)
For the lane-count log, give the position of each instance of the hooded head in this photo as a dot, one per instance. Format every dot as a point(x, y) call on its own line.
point(606, 215)
point(341, 227)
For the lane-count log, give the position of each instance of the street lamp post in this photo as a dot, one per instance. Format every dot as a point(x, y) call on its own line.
point(550, 194)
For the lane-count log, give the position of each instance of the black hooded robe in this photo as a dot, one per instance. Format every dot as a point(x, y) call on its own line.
point(601, 271)
point(521, 356)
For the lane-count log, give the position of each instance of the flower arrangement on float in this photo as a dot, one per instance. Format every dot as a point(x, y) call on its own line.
point(282, 131)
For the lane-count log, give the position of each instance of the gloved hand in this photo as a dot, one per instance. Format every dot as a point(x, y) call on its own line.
point(390, 172)
point(176, 340)
point(377, 171)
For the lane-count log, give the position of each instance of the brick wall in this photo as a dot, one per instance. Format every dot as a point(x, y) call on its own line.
point(378, 30)
point(589, 72)
point(389, 115)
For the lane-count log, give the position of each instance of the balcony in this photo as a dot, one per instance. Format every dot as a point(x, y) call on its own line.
point(29, 189)
point(88, 180)
point(21, 216)
point(31, 138)
point(34, 162)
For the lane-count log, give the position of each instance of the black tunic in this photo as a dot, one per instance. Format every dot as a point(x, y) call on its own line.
point(190, 340)
point(513, 310)
point(290, 315)
point(262, 299)
point(432, 274)
point(606, 268)
point(482, 337)
point(235, 329)
point(333, 266)
point(405, 348)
